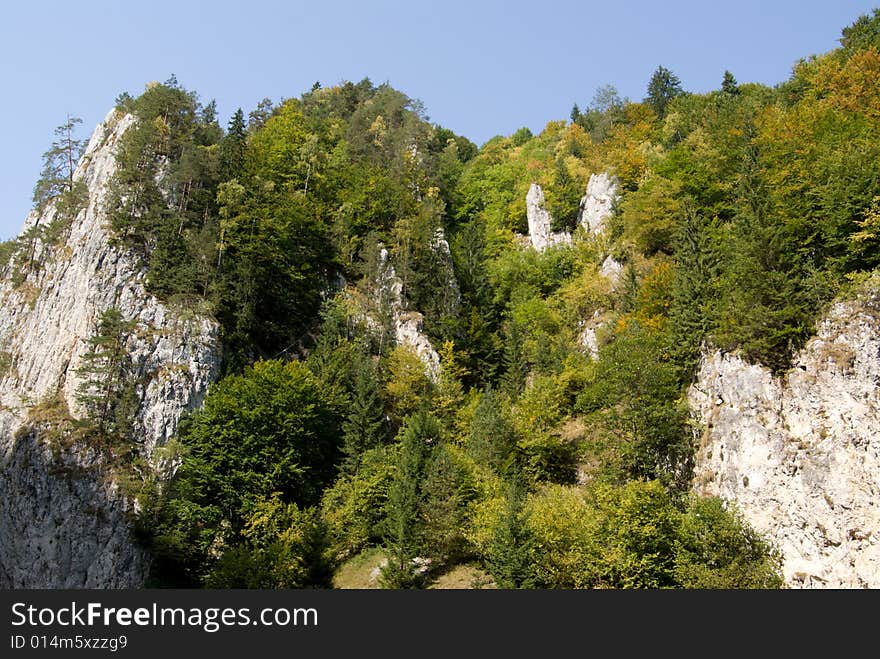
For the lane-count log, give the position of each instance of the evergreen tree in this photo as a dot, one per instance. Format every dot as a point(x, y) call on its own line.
point(444, 514)
point(364, 427)
point(107, 386)
point(232, 147)
point(694, 289)
point(59, 163)
point(514, 360)
point(662, 88)
point(509, 559)
point(56, 182)
point(419, 440)
point(729, 85)
point(491, 437)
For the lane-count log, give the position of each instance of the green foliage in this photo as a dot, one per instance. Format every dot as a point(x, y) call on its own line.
point(418, 444)
point(408, 386)
point(107, 388)
point(59, 164)
point(717, 549)
point(633, 536)
point(364, 426)
point(354, 506)
point(635, 396)
point(662, 88)
point(862, 34)
point(729, 84)
point(491, 439)
point(743, 211)
point(510, 552)
point(266, 431)
point(284, 547)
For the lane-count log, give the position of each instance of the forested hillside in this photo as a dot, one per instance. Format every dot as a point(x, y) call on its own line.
point(313, 229)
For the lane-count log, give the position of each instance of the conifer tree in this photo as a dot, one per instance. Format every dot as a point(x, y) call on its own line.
point(56, 180)
point(364, 427)
point(418, 442)
point(729, 84)
point(509, 559)
point(662, 88)
point(491, 436)
point(107, 386)
point(232, 147)
point(59, 163)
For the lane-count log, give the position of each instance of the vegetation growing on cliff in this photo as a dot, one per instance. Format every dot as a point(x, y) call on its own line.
point(742, 212)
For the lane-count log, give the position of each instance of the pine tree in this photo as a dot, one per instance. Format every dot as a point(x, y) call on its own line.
point(509, 559)
point(662, 88)
point(59, 163)
point(107, 386)
point(698, 266)
point(419, 440)
point(729, 85)
point(232, 147)
point(364, 427)
point(514, 362)
point(56, 180)
point(491, 438)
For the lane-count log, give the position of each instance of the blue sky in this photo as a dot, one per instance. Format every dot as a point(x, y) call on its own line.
point(481, 68)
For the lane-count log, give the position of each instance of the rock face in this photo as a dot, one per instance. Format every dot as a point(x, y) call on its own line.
point(597, 204)
point(407, 324)
point(63, 523)
point(596, 207)
point(800, 454)
point(540, 220)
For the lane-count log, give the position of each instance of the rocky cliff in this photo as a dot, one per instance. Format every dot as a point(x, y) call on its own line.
point(596, 206)
point(800, 453)
point(408, 323)
point(63, 521)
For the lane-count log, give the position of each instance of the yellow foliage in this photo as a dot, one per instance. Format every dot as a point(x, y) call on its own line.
point(408, 384)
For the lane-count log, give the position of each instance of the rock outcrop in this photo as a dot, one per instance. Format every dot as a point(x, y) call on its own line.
point(63, 521)
point(800, 453)
point(597, 204)
point(408, 324)
point(540, 221)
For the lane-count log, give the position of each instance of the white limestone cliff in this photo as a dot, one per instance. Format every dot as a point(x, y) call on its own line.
point(800, 453)
point(597, 204)
point(540, 220)
point(408, 324)
point(63, 524)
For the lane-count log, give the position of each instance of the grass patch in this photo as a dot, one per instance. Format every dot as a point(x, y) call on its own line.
point(463, 577)
point(360, 571)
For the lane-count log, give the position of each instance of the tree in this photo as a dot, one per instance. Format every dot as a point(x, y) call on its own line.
point(729, 85)
point(637, 389)
point(446, 492)
point(716, 548)
point(364, 427)
point(491, 437)
point(59, 163)
point(419, 440)
point(284, 546)
point(862, 34)
point(267, 430)
point(662, 88)
point(408, 386)
point(107, 386)
point(509, 560)
point(232, 147)
point(56, 181)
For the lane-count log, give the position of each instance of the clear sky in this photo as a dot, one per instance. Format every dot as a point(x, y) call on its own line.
point(481, 68)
